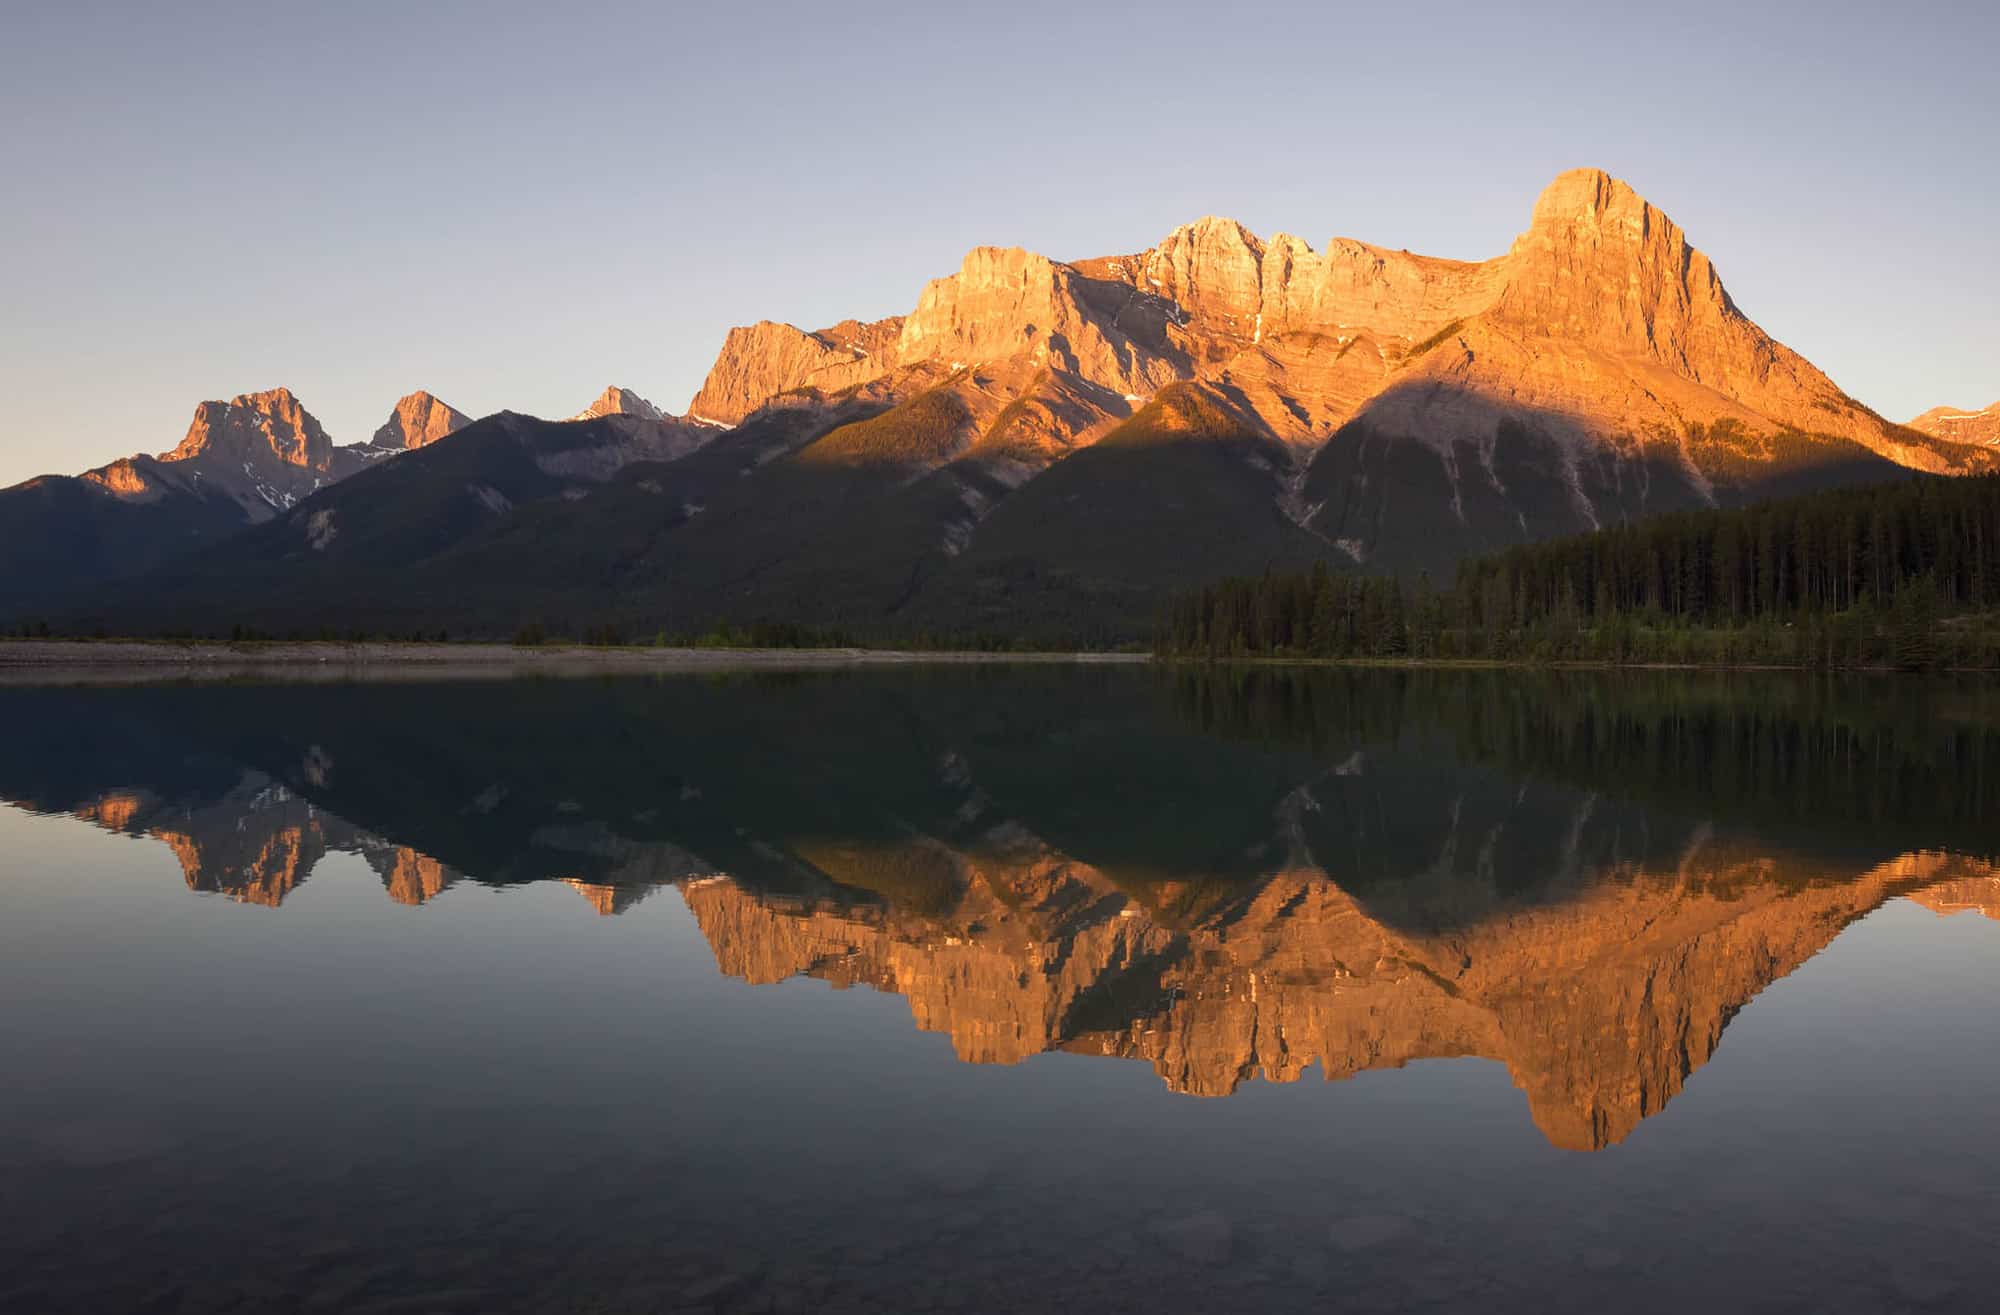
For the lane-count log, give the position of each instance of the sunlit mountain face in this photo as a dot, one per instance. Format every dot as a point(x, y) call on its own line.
point(1228, 878)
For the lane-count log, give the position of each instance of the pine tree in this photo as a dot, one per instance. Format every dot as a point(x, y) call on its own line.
point(1915, 614)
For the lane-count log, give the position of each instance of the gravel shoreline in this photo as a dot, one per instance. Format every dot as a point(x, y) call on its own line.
point(47, 659)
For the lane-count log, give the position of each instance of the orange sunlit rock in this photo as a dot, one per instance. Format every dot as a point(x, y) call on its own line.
point(418, 421)
point(1600, 321)
point(122, 478)
point(256, 424)
point(1956, 426)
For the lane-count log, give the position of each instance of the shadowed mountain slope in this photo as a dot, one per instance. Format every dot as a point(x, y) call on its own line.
point(241, 463)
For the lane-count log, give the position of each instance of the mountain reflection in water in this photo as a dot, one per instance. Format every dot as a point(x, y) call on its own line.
point(1225, 877)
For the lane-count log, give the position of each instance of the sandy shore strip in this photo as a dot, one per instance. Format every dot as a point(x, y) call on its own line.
point(60, 660)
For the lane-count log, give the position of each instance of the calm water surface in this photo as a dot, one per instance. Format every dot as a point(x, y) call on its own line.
point(1001, 989)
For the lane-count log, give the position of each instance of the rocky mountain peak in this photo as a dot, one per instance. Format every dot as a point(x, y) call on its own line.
point(765, 360)
point(1586, 196)
point(1001, 300)
point(270, 427)
point(263, 450)
point(1601, 264)
point(1213, 238)
point(418, 420)
point(616, 401)
point(1212, 269)
point(1009, 304)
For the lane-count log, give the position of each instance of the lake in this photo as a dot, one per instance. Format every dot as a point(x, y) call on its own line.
point(1001, 988)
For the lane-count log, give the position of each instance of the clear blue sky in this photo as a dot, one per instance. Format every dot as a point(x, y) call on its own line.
point(514, 205)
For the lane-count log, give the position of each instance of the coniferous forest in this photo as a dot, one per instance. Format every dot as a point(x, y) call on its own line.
point(1903, 575)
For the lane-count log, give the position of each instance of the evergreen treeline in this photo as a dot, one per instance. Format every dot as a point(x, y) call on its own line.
point(1904, 575)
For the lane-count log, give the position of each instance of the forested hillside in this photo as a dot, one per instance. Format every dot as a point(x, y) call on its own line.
point(1904, 574)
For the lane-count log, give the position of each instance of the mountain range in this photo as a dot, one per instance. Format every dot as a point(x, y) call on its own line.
point(242, 462)
point(1041, 448)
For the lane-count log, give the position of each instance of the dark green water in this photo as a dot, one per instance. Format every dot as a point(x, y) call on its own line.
point(1002, 989)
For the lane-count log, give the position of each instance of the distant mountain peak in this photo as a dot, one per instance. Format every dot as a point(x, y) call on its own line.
point(761, 361)
point(265, 427)
point(1601, 263)
point(418, 420)
point(616, 401)
point(1949, 423)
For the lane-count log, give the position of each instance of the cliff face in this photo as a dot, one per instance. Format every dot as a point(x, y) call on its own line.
point(1600, 265)
point(1601, 301)
point(418, 421)
point(1124, 327)
point(257, 427)
point(761, 362)
point(1596, 372)
point(1606, 324)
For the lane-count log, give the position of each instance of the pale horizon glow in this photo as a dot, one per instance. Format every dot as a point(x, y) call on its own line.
point(514, 206)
